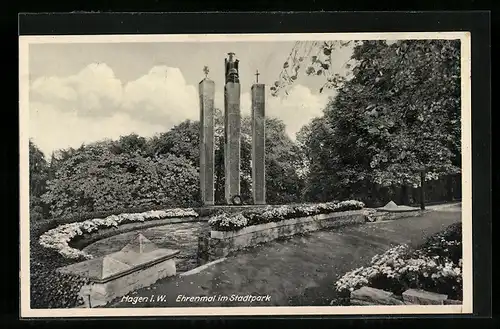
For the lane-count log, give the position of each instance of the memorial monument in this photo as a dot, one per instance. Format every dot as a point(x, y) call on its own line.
point(258, 142)
point(232, 135)
point(232, 129)
point(207, 96)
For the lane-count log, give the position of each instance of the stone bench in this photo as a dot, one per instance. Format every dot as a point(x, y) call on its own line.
point(139, 264)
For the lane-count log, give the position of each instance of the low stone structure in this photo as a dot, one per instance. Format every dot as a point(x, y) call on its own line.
point(217, 244)
point(392, 211)
point(372, 296)
point(422, 297)
point(386, 215)
point(139, 264)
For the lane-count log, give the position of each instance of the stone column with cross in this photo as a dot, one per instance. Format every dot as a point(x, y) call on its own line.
point(207, 96)
point(258, 141)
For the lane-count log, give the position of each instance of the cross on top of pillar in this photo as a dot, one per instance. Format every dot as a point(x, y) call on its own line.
point(257, 76)
point(206, 70)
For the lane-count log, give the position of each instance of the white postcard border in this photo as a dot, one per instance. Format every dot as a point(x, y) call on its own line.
point(466, 307)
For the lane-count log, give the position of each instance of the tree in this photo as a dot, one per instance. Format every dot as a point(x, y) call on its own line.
point(313, 58)
point(96, 179)
point(283, 157)
point(399, 114)
point(38, 175)
point(316, 142)
point(181, 140)
point(284, 164)
point(38, 169)
point(132, 143)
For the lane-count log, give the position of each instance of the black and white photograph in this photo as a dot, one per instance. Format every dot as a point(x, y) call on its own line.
point(245, 174)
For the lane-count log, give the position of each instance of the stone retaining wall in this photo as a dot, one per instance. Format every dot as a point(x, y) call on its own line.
point(85, 240)
point(380, 215)
point(217, 244)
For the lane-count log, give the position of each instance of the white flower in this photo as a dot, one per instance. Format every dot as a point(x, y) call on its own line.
point(59, 237)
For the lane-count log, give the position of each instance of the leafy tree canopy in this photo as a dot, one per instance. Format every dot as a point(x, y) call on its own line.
point(398, 114)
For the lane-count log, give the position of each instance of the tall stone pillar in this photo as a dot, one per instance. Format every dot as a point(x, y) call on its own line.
point(232, 129)
point(258, 144)
point(232, 140)
point(207, 96)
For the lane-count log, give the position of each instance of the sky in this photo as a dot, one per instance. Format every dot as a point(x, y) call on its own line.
point(82, 93)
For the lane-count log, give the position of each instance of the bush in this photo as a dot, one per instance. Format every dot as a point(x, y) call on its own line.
point(48, 288)
point(435, 266)
point(96, 179)
point(231, 222)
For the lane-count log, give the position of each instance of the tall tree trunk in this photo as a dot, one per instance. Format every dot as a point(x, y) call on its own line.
point(422, 190)
point(449, 187)
point(404, 195)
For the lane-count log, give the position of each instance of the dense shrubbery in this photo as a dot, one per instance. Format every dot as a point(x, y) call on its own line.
point(48, 288)
point(230, 222)
point(436, 266)
point(96, 179)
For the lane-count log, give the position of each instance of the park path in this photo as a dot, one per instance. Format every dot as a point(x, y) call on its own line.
point(300, 271)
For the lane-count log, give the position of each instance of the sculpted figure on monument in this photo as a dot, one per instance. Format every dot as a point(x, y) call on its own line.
point(232, 73)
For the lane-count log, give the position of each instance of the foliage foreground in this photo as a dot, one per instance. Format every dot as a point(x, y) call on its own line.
point(436, 266)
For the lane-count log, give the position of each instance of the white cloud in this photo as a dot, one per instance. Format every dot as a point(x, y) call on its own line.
point(296, 109)
point(52, 129)
point(93, 92)
point(161, 96)
point(93, 104)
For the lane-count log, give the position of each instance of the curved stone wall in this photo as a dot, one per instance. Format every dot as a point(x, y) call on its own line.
point(85, 240)
point(218, 244)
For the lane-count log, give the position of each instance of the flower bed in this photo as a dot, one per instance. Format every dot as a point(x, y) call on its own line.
point(58, 238)
point(232, 222)
point(436, 266)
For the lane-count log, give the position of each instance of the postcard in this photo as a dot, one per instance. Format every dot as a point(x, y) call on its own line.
point(245, 174)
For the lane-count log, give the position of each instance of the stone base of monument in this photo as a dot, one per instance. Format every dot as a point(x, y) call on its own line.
point(139, 264)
